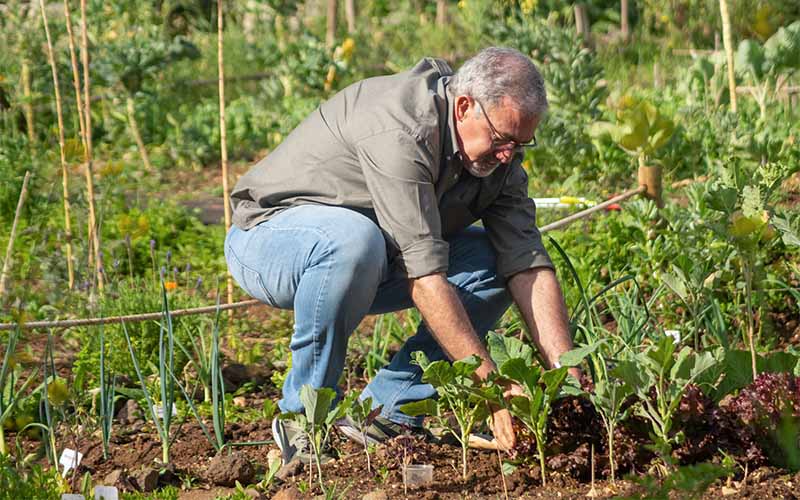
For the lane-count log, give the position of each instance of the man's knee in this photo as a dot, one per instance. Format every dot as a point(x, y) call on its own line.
point(359, 245)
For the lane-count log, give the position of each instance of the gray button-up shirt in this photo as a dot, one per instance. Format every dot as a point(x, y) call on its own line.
point(386, 147)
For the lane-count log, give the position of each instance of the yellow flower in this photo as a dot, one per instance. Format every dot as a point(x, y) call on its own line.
point(57, 392)
point(170, 285)
point(347, 48)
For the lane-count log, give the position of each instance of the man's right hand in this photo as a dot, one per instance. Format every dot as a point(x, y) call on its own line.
point(502, 425)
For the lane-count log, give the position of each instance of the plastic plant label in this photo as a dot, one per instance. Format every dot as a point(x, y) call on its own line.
point(72, 496)
point(160, 411)
point(675, 334)
point(69, 459)
point(106, 493)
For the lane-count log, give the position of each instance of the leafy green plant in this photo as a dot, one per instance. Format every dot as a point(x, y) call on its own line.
point(689, 481)
point(363, 415)
point(541, 387)
point(318, 420)
point(11, 393)
point(459, 392)
point(107, 393)
point(768, 67)
point(659, 378)
point(640, 128)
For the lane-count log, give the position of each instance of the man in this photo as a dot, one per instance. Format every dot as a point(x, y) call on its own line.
point(367, 207)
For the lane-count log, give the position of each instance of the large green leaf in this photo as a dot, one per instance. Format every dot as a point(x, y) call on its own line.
point(782, 50)
point(439, 374)
point(553, 379)
point(633, 375)
point(317, 402)
point(575, 356)
point(750, 59)
point(465, 368)
point(423, 407)
point(521, 372)
point(677, 283)
point(502, 348)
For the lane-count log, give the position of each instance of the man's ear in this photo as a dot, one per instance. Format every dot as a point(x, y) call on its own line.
point(462, 107)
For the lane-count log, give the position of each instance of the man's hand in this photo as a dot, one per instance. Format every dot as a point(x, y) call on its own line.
point(502, 426)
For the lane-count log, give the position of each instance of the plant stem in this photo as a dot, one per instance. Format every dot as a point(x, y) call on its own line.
point(28, 105)
point(748, 290)
point(540, 450)
point(64, 177)
point(2, 440)
point(610, 430)
point(728, 43)
point(7, 262)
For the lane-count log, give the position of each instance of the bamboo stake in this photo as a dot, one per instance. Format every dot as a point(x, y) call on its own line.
point(64, 176)
point(137, 136)
point(223, 143)
point(441, 13)
point(25, 78)
point(94, 236)
point(7, 262)
point(728, 43)
point(350, 15)
point(330, 31)
point(75, 78)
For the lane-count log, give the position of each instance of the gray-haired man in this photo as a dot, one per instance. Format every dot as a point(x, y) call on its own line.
point(367, 207)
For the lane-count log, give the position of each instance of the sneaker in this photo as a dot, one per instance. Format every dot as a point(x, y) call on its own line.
point(294, 443)
point(379, 431)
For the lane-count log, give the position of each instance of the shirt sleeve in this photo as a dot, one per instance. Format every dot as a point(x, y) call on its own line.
point(399, 170)
point(510, 222)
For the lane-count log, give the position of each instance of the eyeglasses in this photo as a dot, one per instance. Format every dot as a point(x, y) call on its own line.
point(501, 142)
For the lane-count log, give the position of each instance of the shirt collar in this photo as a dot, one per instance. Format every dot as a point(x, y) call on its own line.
point(451, 145)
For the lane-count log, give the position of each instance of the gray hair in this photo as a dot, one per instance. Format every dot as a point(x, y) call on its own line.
point(498, 72)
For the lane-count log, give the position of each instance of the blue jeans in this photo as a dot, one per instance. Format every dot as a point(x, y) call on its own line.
point(329, 265)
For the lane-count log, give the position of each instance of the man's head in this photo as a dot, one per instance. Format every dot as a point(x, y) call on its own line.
point(499, 100)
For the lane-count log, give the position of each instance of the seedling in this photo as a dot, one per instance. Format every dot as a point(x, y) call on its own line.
point(363, 415)
point(657, 370)
point(515, 363)
point(10, 394)
point(458, 392)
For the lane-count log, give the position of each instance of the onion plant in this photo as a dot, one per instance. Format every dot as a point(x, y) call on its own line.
point(166, 372)
point(107, 393)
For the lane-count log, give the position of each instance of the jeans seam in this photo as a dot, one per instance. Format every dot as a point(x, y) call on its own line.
point(317, 307)
point(259, 281)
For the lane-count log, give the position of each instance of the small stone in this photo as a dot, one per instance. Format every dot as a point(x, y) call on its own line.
point(129, 413)
point(240, 401)
point(113, 477)
point(146, 479)
point(291, 493)
point(378, 494)
point(226, 470)
point(293, 468)
point(727, 491)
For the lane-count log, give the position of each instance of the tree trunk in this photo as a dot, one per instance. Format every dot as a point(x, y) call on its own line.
point(330, 33)
point(728, 43)
point(350, 14)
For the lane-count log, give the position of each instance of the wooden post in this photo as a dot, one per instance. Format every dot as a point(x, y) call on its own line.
point(330, 33)
point(624, 27)
point(27, 106)
point(7, 262)
point(582, 23)
point(650, 178)
point(350, 15)
point(728, 43)
point(223, 144)
point(94, 230)
point(64, 176)
point(441, 13)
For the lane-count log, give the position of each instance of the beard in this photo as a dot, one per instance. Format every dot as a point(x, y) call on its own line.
point(482, 167)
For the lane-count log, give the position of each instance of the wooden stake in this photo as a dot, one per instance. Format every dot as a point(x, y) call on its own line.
point(130, 106)
point(64, 176)
point(7, 262)
point(75, 78)
point(223, 144)
point(624, 27)
point(350, 15)
point(94, 235)
point(728, 44)
point(441, 13)
point(27, 106)
point(330, 32)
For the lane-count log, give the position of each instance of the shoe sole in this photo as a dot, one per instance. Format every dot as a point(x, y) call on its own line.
point(355, 435)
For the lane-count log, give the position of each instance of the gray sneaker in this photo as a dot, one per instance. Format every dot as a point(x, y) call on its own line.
point(294, 443)
point(379, 431)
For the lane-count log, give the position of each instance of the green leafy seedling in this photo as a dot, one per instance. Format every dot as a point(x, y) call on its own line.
point(363, 415)
point(459, 392)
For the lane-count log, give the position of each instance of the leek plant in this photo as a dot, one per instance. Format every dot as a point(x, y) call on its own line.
point(166, 372)
point(107, 393)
